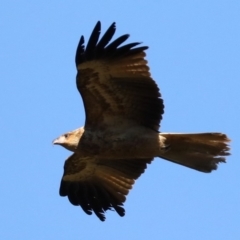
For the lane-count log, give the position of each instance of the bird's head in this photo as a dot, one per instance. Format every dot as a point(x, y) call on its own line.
point(69, 140)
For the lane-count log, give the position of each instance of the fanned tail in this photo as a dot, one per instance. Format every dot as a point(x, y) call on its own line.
point(199, 151)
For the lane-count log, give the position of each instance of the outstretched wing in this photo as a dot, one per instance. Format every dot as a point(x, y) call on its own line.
point(115, 83)
point(100, 185)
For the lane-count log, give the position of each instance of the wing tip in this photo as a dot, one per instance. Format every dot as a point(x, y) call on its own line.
point(91, 198)
point(96, 48)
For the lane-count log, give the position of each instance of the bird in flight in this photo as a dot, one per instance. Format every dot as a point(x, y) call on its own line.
point(121, 136)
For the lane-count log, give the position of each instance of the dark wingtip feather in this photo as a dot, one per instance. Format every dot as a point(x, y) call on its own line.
point(80, 51)
point(120, 210)
point(113, 45)
point(106, 37)
point(125, 49)
point(97, 49)
point(92, 42)
point(92, 198)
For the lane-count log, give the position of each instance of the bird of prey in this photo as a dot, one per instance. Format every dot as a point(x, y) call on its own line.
point(121, 134)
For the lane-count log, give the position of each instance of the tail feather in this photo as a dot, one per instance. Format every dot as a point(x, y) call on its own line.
point(199, 151)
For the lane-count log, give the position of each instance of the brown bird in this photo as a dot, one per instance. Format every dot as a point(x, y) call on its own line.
point(121, 135)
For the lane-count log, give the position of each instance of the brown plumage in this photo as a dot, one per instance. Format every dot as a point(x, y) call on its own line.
point(121, 136)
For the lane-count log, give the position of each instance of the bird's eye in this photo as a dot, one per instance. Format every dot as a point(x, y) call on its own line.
point(66, 135)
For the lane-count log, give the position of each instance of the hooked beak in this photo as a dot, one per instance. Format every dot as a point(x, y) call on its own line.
point(59, 141)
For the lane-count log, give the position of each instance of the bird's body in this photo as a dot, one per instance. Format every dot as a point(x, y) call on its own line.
point(121, 135)
point(110, 143)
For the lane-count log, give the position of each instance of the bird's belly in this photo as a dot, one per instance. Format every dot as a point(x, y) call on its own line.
point(140, 143)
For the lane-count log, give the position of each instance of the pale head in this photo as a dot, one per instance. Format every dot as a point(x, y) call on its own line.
point(70, 140)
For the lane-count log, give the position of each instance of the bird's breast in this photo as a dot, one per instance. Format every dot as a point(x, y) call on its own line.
point(116, 145)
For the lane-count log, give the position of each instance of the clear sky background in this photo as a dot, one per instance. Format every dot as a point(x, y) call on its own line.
point(194, 57)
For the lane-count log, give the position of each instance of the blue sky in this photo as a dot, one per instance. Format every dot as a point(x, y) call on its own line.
point(194, 57)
